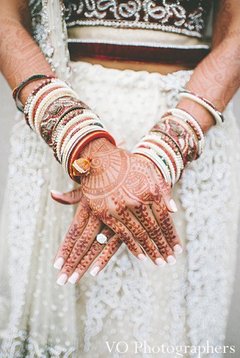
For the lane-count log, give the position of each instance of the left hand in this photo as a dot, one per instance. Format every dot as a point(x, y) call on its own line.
point(80, 247)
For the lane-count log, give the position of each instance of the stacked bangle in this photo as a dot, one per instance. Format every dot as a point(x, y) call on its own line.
point(173, 142)
point(217, 115)
point(65, 123)
point(192, 122)
point(17, 90)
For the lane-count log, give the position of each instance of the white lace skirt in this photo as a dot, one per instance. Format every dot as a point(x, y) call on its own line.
point(132, 307)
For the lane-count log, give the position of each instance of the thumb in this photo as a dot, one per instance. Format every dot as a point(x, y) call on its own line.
point(71, 197)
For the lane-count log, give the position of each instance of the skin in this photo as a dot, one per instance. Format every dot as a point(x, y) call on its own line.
point(216, 78)
point(127, 193)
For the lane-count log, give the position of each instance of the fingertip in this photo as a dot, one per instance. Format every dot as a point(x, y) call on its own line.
point(58, 196)
point(58, 263)
point(142, 257)
point(74, 278)
point(95, 270)
point(172, 206)
point(62, 279)
point(56, 193)
point(177, 249)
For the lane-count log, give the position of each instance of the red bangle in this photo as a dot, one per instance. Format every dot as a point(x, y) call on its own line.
point(80, 146)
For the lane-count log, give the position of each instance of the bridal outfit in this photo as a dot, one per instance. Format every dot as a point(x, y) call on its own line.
point(130, 301)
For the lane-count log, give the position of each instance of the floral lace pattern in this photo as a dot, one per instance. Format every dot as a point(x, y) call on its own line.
point(181, 16)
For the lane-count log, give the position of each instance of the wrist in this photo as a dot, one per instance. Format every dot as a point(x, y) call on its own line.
point(97, 145)
point(80, 161)
point(26, 91)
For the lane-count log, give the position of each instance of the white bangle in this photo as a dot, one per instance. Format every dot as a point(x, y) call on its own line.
point(187, 117)
point(78, 118)
point(158, 162)
point(217, 115)
point(80, 127)
point(50, 97)
point(176, 157)
point(79, 135)
point(162, 154)
point(32, 104)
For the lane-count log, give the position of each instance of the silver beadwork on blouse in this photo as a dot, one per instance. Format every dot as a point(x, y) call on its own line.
point(145, 14)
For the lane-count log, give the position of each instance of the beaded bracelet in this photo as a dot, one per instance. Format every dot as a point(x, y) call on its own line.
point(59, 130)
point(54, 113)
point(54, 95)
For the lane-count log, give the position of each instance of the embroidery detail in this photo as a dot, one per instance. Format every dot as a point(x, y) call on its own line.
point(182, 16)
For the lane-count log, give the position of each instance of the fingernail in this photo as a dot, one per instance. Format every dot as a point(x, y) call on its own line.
point(55, 192)
point(94, 270)
point(58, 264)
point(178, 249)
point(142, 257)
point(171, 260)
point(160, 262)
point(173, 205)
point(73, 278)
point(62, 279)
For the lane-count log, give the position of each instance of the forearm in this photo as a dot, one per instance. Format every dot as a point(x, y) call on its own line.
point(217, 77)
point(20, 56)
point(178, 138)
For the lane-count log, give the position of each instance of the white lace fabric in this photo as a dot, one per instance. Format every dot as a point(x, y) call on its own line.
point(185, 304)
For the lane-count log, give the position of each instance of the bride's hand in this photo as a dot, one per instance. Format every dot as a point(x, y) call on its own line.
point(80, 247)
point(128, 193)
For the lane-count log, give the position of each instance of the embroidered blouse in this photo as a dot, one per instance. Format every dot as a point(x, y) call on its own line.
point(186, 17)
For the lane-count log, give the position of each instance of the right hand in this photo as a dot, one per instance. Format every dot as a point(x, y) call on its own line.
point(129, 194)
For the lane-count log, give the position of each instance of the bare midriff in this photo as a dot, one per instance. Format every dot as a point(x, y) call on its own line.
point(112, 36)
point(161, 68)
